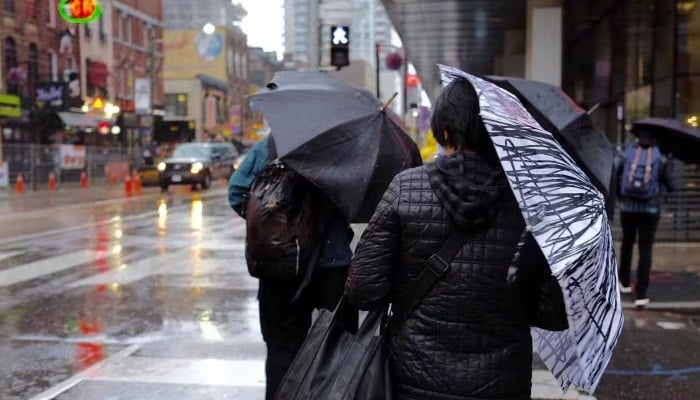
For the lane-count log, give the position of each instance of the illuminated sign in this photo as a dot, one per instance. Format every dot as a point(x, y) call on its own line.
point(79, 11)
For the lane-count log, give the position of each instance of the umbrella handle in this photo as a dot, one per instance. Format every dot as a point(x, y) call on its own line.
point(389, 101)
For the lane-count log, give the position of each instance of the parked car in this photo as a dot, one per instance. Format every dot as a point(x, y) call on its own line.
point(197, 164)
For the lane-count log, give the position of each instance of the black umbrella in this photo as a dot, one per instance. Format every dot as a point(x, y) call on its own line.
point(339, 137)
point(570, 124)
point(673, 137)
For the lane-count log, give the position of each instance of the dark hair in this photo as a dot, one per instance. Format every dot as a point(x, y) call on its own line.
point(456, 111)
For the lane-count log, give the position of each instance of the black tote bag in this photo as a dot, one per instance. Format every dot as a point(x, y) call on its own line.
point(334, 363)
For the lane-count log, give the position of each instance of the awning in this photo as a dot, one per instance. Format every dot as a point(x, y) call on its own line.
point(81, 120)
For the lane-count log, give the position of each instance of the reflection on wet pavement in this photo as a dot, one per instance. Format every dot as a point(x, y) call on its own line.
point(658, 357)
point(167, 276)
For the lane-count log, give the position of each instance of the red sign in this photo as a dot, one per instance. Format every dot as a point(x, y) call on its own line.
point(97, 74)
point(125, 105)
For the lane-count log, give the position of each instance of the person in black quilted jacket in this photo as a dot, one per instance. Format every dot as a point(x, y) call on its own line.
point(469, 338)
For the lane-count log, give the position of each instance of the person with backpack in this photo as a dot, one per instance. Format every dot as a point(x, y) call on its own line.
point(641, 172)
point(297, 245)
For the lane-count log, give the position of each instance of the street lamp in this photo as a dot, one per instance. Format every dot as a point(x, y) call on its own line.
point(209, 28)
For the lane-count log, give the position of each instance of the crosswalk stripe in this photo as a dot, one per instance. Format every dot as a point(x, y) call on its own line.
point(211, 372)
point(9, 254)
point(46, 266)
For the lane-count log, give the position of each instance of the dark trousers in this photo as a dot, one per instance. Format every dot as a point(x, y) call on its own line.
point(644, 225)
point(284, 325)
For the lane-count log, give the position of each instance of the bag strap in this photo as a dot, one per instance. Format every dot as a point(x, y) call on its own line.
point(313, 260)
point(635, 163)
point(435, 268)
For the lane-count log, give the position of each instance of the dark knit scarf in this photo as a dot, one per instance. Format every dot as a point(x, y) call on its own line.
point(469, 189)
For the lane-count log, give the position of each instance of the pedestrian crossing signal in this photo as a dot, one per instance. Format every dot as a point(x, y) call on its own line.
point(340, 46)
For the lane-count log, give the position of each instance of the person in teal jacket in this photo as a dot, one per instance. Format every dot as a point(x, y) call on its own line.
point(240, 182)
point(284, 323)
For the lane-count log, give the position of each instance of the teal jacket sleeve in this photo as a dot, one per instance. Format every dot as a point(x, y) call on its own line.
point(240, 182)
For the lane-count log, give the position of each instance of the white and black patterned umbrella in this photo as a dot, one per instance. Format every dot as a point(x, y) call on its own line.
point(566, 214)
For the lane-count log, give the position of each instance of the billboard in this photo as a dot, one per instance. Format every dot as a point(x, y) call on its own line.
point(142, 95)
point(72, 156)
point(192, 52)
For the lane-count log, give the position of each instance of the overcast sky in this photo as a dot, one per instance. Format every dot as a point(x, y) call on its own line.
point(264, 24)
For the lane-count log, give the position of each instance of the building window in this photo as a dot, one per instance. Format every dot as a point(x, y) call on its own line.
point(11, 71)
point(176, 104)
point(129, 33)
point(53, 65)
point(33, 73)
point(10, 53)
point(121, 34)
point(103, 36)
point(9, 6)
point(52, 13)
point(30, 9)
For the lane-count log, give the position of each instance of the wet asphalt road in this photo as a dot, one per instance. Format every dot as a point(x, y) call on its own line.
point(164, 275)
point(148, 297)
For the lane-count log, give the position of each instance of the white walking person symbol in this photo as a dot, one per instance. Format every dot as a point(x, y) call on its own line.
point(340, 36)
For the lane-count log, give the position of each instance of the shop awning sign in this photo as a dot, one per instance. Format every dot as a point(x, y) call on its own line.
point(10, 106)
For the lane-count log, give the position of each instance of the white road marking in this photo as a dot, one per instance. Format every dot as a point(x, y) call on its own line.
point(46, 266)
point(76, 379)
point(672, 326)
point(250, 373)
point(10, 254)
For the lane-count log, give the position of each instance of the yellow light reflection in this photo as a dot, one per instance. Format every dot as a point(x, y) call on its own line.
point(209, 330)
point(693, 121)
point(114, 287)
point(196, 218)
point(118, 233)
point(162, 216)
point(117, 249)
point(123, 266)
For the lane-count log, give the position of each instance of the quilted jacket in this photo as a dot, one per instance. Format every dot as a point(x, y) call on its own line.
point(468, 338)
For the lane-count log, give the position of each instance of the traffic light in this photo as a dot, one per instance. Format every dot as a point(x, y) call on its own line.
point(103, 127)
point(340, 46)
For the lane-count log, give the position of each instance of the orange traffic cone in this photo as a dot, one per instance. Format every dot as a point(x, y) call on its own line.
point(127, 185)
point(19, 185)
point(52, 181)
point(137, 182)
point(83, 180)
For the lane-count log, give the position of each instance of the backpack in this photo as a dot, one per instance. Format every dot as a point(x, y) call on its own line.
point(280, 224)
point(640, 174)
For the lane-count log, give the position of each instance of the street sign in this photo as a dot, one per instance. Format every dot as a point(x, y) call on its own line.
point(340, 46)
point(79, 11)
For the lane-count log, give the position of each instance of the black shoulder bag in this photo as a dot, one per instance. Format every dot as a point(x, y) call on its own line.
point(336, 364)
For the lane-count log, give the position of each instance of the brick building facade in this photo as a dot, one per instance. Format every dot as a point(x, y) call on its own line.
point(37, 48)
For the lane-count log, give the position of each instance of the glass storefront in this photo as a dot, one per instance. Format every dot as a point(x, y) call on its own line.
point(637, 56)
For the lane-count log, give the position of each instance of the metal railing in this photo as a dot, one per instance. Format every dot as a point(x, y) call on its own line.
point(35, 162)
point(680, 210)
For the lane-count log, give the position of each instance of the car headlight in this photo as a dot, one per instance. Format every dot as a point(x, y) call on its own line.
point(161, 166)
point(196, 167)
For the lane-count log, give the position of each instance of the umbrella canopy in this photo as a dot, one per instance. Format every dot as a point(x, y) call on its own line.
point(571, 125)
point(566, 215)
point(673, 137)
point(338, 136)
